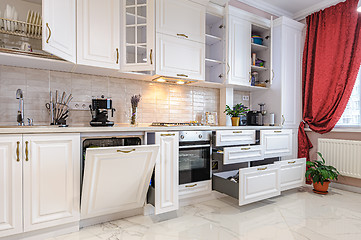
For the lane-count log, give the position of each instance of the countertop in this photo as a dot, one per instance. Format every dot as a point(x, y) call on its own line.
point(120, 128)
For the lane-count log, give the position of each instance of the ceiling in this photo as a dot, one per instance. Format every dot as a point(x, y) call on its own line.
point(296, 9)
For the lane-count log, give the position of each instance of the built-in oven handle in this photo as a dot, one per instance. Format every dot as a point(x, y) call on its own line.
point(194, 146)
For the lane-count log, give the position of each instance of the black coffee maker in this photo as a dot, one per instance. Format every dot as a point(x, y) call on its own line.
point(256, 118)
point(99, 110)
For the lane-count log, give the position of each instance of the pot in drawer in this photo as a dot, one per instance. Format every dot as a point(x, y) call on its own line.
point(254, 184)
point(232, 155)
point(235, 137)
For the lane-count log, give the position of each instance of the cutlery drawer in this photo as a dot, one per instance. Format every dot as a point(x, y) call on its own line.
point(255, 183)
point(235, 137)
point(232, 155)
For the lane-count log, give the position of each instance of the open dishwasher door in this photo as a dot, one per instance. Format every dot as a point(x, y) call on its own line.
point(116, 179)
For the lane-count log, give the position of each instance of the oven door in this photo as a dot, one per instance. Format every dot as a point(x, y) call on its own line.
point(194, 162)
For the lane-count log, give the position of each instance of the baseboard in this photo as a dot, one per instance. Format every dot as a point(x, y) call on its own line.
point(199, 199)
point(346, 187)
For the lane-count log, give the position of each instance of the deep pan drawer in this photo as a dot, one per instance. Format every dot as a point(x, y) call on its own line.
point(255, 183)
point(235, 137)
point(232, 155)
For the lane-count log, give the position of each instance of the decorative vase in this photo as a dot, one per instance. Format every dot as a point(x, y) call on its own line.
point(235, 121)
point(133, 116)
point(321, 188)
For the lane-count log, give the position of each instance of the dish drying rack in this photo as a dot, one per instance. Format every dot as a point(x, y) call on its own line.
point(20, 28)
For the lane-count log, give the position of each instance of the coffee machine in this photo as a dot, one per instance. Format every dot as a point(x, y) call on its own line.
point(256, 118)
point(99, 110)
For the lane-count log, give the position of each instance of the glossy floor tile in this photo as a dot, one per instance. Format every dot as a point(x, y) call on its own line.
point(296, 214)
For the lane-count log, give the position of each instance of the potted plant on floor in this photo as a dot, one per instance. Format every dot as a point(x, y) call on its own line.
point(235, 113)
point(321, 174)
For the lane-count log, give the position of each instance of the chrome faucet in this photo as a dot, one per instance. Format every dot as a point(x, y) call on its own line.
point(20, 115)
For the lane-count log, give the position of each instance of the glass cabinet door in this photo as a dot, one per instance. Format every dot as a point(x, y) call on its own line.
point(137, 35)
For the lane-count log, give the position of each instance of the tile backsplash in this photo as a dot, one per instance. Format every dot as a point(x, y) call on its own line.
point(160, 102)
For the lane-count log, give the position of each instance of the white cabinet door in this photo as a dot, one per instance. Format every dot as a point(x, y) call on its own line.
point(166, 173)
point(258, 183)
point(180, 58)
point(292, 173)
point(239, 51)
point(242, 154)
point(98, 33)
point(51, 180)
point(137, 36)
point(59, 28)
point(276, 143)
point(10, 185)
point(116, 179)
point(236, 137)
point(181, 18)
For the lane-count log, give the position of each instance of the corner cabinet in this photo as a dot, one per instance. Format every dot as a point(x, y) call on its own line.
point(39, 187)
point(98, 38)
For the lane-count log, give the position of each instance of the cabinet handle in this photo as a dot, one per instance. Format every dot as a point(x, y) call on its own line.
point(273, 76)
point(220, 151)
point(191, 185)
point(117, 55)
point(229, 68)
point(261, 169)
point(283, 119)
point(17, 151)
point(277, 131)
point(244, 149)
point(292, 162)
point(182, 35)
point(151, 56)
point(182, 75)
point(167, 134)
point(237, 131)
point(250, 77)
point(47, 25)
point(126, 151)
point(26, 151)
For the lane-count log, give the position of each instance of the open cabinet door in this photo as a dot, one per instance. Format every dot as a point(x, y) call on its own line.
point(116, 179)
point(59, 28)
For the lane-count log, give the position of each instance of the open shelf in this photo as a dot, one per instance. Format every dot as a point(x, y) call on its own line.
point(211, 39)
point(258, 68)
point(258, 47)
point(212, 62)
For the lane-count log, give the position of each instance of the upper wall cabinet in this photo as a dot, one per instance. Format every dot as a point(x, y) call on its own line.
point(181, 18)
point(59, 28)
point(98, 27)
point(137, 35)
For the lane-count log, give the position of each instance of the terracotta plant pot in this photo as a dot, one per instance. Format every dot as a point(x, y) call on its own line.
point(235, 121)
point(319, 188)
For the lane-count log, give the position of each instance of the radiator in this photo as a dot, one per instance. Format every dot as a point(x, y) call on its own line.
point(345, 155)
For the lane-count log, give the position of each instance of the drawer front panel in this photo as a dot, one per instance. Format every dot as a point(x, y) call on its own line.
point(194, 189)
point(292, 173)
point(242, 154)
point(231, 138)
point(277, 143)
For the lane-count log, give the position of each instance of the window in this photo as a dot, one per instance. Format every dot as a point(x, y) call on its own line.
point(351, 117)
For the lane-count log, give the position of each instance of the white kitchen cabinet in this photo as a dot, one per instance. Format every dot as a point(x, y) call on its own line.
point(51, 171)
point(179, 58)
point(276, 143)
point(255, 183)
point(11, 221)
point(166, 172)
point(137, 36)
point(39, 187)
point(181, 18)
point(292, 173)
point(235, 137)
point(116, 179)
point(232, 155)
point(283, 98)
point(98, 38)
point(59, 28)
point(195, 189)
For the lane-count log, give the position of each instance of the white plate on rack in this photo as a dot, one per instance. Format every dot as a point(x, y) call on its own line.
point(28, 18)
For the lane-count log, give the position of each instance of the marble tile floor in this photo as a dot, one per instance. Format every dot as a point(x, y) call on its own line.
point(297, 214)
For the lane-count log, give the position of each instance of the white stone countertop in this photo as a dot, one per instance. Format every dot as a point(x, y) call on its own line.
point(119, 128)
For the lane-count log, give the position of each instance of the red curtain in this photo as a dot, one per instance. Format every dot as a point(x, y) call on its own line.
point(331, 60)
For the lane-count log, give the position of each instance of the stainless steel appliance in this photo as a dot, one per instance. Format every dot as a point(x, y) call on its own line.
point(256, 118)
point(99, 110)
point(194, 156)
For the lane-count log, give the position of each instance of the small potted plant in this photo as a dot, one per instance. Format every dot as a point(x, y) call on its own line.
point(235, 113)
point(321, 174)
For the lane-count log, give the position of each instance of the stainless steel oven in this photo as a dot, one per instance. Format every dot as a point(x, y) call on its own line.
point(194, 156)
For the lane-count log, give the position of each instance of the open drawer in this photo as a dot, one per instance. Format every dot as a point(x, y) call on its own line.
point(235, 137)
point(292, 173)
point(116, 179)
point(255, 183)
point(232, 155)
